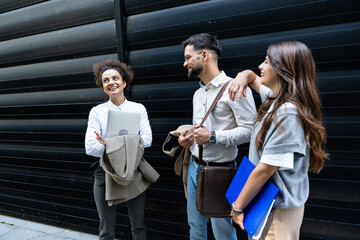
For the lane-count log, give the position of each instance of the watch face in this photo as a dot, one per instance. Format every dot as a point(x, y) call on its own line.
point(212, 139)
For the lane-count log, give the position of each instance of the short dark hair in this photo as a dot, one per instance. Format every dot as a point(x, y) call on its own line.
point(204, 41)
point(126, 71)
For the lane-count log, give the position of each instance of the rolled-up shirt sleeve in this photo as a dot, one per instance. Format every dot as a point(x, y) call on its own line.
point(285, 141)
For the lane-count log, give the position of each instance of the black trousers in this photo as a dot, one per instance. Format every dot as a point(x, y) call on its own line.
point(107, 214)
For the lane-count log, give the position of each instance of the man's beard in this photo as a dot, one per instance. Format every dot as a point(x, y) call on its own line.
point(195, 72)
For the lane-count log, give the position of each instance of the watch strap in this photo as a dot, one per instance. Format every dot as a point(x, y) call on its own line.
point(237, 211)
point(212, 137)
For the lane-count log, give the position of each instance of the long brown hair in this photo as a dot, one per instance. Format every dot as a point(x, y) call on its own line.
point(295, 67)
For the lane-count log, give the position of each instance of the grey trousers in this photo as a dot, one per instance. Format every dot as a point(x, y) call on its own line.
point(107, 214)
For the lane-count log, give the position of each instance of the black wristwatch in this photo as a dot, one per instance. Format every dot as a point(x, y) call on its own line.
point(237, 211)
point(212, 137)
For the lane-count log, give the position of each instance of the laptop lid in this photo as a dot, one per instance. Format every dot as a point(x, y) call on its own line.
point(122, 123)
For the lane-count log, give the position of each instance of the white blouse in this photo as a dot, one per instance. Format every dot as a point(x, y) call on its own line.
point(98, 120)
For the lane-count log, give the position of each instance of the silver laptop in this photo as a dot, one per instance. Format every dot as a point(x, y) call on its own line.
point(122, 123)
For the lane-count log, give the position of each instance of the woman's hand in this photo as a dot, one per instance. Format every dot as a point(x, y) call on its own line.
point(252, 187)
point(238, 219)
point(100, 139)
point(240, 83)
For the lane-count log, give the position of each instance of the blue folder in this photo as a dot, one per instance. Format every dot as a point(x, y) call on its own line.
point(257, 211)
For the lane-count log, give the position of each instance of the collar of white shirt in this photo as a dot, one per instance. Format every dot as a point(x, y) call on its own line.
point(215, 82)
point(122, 106)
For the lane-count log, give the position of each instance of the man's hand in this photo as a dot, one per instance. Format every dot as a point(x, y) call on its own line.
point(201, 135)
point(186, 141)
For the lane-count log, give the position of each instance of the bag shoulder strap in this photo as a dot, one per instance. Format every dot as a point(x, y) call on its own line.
point(217, 98)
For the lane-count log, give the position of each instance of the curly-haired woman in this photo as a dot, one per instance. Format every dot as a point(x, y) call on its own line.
point(113, 77)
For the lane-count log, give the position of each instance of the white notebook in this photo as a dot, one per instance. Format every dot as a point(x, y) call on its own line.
point(122, 123)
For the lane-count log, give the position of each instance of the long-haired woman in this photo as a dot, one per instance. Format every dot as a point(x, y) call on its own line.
point(288, 136)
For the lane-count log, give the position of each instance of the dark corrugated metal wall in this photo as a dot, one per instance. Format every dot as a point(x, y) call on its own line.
point(47, 89)
point(46, 52)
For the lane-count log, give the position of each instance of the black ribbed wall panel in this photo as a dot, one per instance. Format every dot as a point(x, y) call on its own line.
point(74, 42)
point(133, 7)
point(53, 75)
point(47, 89)
point(226, 19)
point(9, 5)
point(52, 15)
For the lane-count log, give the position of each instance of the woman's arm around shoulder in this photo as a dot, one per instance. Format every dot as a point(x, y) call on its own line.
point(241, 81)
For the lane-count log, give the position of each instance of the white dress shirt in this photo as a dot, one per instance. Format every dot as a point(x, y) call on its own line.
point(98, 120)
point(232, 121)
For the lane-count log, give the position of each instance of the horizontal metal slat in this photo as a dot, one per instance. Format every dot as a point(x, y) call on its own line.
point(9, 5)
point(50, 76)
point(29, 163)
point(332, 214)
point(233, 18)
point(339, 81)
point(44, 126)
point(336, 172)
point(345, 143)
point(49, 98)
point(49, 179)
point(133, 7)
point(53, 15)
point(340, 42)
point(315, 229)
point(345, 191)
point(97, 38)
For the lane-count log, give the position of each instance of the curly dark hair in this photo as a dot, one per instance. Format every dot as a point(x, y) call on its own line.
point(126, 71)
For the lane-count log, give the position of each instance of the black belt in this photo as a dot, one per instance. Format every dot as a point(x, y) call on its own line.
point(203, 163)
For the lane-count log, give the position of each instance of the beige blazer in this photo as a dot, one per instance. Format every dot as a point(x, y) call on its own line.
point(127, 173)
point(183, 160)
